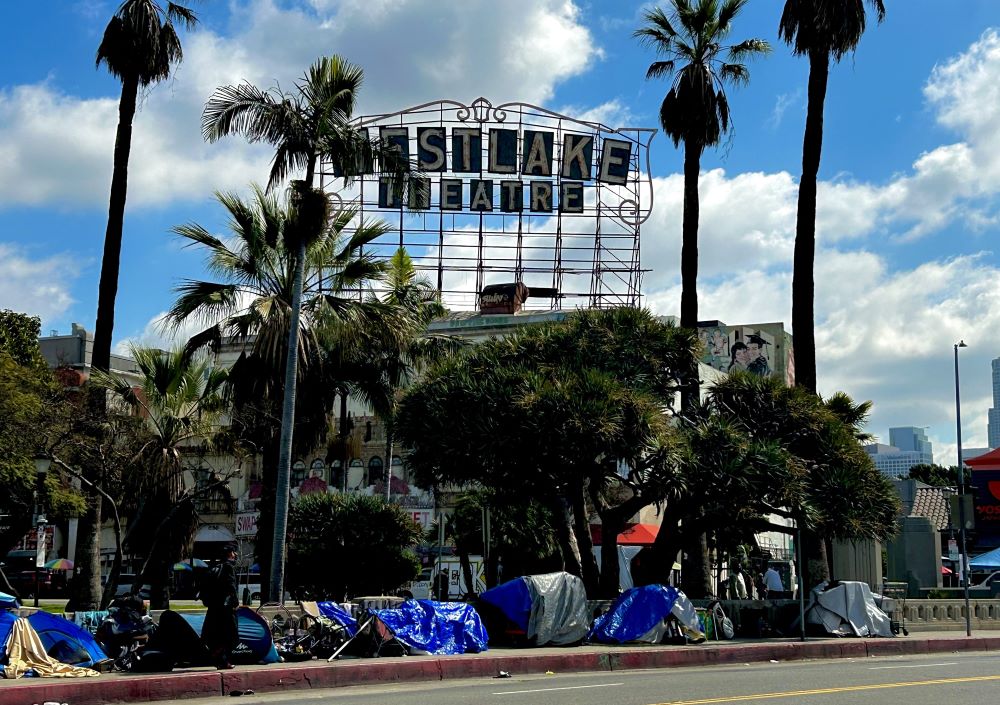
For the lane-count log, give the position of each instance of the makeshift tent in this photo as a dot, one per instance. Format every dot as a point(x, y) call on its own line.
point(25, 654)
point(333, 611)
point(8, 602)
point(550, 608)
point(640, 614)
point(255, 644)
point(176, 637)
point(65, 641)
point(848, 609)
point(436, 627)
point(986, 561)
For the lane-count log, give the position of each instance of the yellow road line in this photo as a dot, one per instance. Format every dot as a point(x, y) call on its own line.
point(823, 691)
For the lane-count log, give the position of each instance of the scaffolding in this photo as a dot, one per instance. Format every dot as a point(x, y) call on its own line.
point(585, 259)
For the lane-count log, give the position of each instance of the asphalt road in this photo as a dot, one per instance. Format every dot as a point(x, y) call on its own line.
point(910, 680)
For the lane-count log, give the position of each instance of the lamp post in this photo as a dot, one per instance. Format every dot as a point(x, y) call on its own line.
point(41, 468)
point(963, 562)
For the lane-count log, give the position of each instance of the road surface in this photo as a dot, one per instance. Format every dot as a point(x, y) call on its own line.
point(907, 680)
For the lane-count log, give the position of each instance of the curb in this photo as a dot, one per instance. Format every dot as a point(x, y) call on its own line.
point(271, 679)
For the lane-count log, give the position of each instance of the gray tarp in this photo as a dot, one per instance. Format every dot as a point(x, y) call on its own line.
point(558, 609)
point(848, 609)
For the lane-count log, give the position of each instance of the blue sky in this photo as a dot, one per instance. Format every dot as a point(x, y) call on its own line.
point(909, 181)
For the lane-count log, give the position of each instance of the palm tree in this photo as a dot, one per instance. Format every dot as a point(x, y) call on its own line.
point(819, 29)
point(695, 110)
point(310, 124)
point(140, 47)
point(181, 400)
point(252, 303)
point(396, 366)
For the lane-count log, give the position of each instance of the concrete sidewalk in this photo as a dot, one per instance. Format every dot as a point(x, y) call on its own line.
point(201, 683)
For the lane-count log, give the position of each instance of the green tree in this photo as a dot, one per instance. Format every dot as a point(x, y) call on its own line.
point(695, 110)
point(181, 400)
point(310, 124)
point(385, 366)
point(520, 535)
point(346, 545)
point(140, 47)
point(935, 475)
point(820, 30)
point(555, 413)
point(843, 496)
point(251, 304)
point(19, 338)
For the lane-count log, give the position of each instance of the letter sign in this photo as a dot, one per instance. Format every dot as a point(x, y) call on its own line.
point(431, 148)
point(615, 158)
point(466, 150)
point(537, 153)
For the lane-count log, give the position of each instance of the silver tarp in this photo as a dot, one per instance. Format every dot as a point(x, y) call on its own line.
point(558, 609)
point(848, 609)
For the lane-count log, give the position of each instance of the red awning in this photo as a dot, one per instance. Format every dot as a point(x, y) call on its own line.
point(986, 461)
point(635, 535)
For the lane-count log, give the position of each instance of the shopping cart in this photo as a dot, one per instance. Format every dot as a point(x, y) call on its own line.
point(896, 593)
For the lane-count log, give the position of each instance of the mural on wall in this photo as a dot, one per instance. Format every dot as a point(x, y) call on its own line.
point(761, 349)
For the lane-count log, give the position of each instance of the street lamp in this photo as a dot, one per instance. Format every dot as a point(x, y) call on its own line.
point(41, 468)
point(963, 564)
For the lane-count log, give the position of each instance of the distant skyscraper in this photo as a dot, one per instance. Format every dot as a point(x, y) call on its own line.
point(912, 439)
point(908, 446)
point(993, 431)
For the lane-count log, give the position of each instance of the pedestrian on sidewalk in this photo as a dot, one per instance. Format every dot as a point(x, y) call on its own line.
point(220, 632)
point(772, 579)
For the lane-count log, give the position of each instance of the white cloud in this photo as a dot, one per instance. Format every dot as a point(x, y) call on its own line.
point(38, 287)
point(612, 113)
point(58, 147)
point(782, 103)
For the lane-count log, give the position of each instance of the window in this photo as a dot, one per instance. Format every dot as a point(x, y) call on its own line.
point(375, 472)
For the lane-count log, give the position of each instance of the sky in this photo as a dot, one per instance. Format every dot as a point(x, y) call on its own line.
point(908, 210)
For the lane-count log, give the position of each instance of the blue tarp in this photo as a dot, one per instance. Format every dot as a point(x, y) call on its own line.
point(336, 613)
point(513, 599)
point(255, 645)
point(65, 641)
point(7, 620)
point(437, 627)
point(987, 561)
point(634, 613)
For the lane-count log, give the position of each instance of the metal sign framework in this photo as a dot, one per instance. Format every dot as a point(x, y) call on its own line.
point(588, 258)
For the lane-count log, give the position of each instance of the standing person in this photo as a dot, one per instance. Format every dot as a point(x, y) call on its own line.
point(220, 631)
point(772, 579)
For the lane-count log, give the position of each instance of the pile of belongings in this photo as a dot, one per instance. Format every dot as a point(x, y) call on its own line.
point(45, 645)
point(642, 614)
point(544, 609)
point(439, 628)
point(846, 609)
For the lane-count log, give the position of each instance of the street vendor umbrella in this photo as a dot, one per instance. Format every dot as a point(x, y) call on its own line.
point(60, 564)
point(182, 566)
point(190, 564)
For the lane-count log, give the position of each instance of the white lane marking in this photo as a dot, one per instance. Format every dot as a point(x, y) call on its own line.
point(546, 690)
point(916, 665)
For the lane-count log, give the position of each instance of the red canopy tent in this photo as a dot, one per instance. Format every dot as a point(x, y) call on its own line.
point(634, 535)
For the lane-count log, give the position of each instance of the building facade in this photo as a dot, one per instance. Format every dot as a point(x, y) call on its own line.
point(993, 429)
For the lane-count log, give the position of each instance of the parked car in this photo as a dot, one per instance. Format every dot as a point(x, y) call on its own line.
point(249, 588)
point(988, 580)
point(124, 587)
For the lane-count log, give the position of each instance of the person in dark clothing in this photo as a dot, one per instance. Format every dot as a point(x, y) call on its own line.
point(220, 631)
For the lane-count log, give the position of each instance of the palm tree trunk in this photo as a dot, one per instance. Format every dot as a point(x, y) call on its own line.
point(689, 263)
point(388, 457)
point(803, 317)
point(87, 575)
point(287, 423)
point(87, 564)
point(111, 261)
